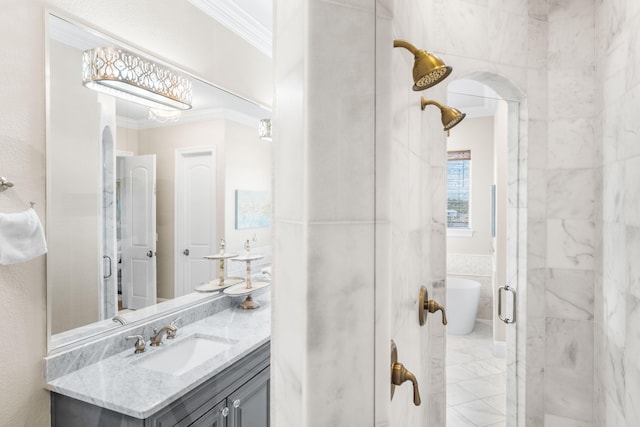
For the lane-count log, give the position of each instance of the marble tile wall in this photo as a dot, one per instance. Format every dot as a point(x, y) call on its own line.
point(324, 303)
point(110, 282)
point(571, 183)
point(616, 312)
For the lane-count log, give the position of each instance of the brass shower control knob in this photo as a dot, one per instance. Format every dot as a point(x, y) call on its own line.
point(400, 374)
point(428, 305)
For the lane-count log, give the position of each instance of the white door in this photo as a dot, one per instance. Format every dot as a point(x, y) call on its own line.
point(195, 218)
point(138, 230)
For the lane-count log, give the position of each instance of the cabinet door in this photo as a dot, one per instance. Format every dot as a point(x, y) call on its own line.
point(249, 404)
point(215, 417)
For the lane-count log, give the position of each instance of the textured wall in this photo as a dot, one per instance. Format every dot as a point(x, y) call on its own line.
point(22, 286)
point(617, 284)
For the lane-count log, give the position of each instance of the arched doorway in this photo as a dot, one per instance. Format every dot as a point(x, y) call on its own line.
point(514, 228)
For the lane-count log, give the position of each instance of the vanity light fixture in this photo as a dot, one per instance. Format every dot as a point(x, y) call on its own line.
point(264, 129)
point(164, 116)
point(428, 69)
point(450, 116)
point(127, 75)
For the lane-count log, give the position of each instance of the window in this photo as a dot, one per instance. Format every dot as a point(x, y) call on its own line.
point(459, 189)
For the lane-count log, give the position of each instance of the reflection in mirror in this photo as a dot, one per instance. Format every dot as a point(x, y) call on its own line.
point(138, 197)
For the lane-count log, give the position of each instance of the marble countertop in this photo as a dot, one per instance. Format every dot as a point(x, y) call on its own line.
point(117, 383)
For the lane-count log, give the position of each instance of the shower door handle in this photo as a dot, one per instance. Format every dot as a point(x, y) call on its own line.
point(108, 258)
point(505, 319)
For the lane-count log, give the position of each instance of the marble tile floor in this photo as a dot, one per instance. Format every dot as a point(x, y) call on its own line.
point(476, 380)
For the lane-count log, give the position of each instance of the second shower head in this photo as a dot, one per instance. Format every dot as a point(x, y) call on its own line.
point(450, 116)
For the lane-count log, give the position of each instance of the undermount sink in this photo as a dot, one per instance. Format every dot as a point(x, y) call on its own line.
point(181, 356)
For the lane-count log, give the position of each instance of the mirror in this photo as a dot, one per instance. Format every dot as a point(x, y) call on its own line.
point(132, 250)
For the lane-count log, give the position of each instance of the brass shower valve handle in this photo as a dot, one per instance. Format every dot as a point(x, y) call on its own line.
point(400, 374)
point(431, 306)
point(426, 305)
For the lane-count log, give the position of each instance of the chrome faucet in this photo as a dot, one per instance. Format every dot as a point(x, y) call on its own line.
point(170, 330)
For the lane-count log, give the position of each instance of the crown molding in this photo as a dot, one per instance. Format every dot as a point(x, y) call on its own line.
point(232, 16)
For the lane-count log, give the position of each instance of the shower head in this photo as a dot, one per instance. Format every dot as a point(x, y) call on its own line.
point(450, 116)
point(428, 69)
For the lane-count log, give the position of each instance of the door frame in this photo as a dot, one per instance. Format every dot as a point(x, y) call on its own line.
point(516, 254)
point(178, 198)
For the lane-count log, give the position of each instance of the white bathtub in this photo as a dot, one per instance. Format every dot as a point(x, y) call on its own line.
point(463, 296)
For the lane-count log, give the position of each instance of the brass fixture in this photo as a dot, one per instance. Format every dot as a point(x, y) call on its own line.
point(139, 345)
point(450, 116)
point(428, 69)
point(428, 305)
point(170, 330)
point(400, 374)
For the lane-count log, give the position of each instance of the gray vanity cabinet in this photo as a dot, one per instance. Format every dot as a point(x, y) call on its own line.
point(237, 397)
point(250, 403)
point(215, 417)
point(248, 406)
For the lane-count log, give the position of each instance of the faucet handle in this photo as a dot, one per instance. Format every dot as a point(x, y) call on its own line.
point(400, 374)
point(140, 344)
point(426, 305)
point(173, 330)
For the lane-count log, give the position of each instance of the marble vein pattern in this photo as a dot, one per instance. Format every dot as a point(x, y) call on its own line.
point(570, 244)
point(476, 379)
point(117, 383)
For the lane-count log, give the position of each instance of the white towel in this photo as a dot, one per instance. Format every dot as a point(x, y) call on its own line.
point(21, 237)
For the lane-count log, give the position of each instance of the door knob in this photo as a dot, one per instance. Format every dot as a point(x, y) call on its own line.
point(428, 305)
point(400, 374)
point(186, 252)
point(150, 254)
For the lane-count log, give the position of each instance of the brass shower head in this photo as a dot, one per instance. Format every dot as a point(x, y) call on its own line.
point(428, 69)
point(450, 116)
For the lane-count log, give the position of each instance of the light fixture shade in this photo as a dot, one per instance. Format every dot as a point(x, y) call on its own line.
point(127, 75)
point(264, 129)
